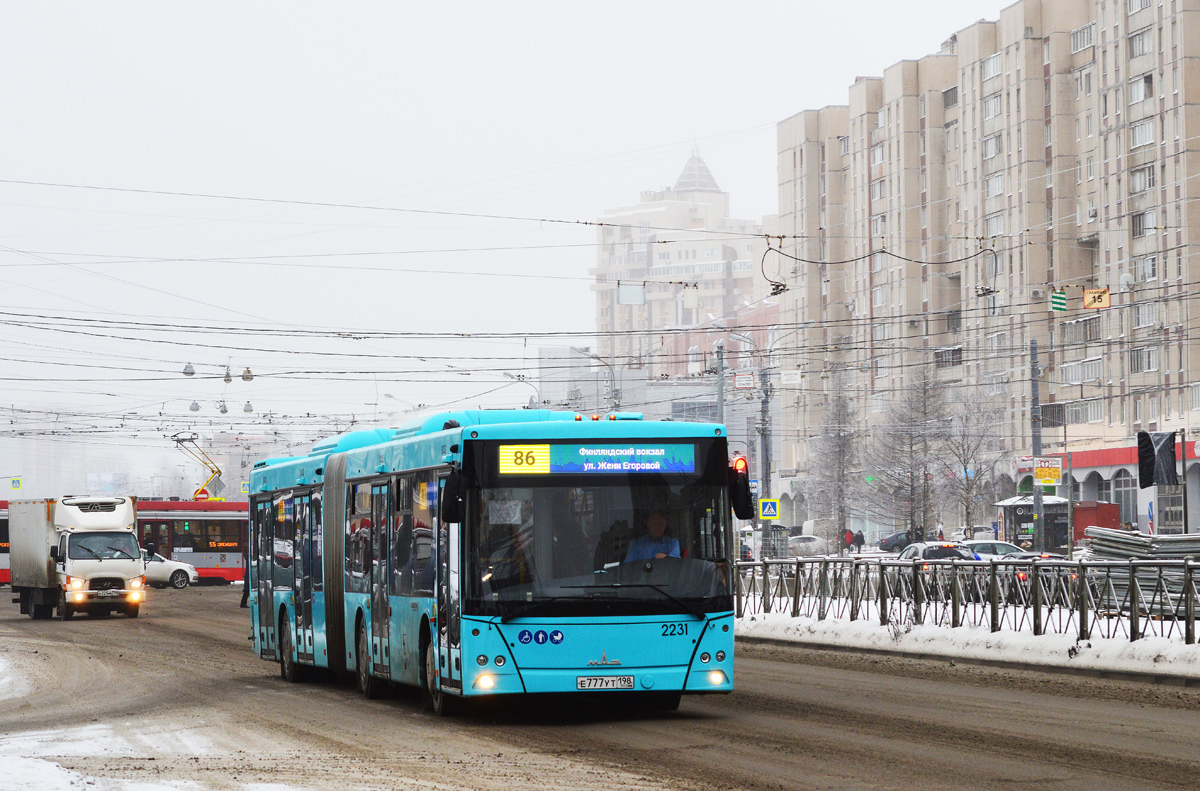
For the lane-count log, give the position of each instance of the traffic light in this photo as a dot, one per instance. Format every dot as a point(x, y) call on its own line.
point(1156, 459)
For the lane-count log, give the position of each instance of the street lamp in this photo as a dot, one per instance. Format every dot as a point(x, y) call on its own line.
point(534, 401)
point(614, 393)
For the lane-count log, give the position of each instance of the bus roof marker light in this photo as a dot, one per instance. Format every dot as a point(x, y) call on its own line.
point(578, 418)
point(596, 417)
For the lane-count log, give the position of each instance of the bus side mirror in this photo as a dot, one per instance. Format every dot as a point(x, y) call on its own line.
point(739, 493)
point(454, 506)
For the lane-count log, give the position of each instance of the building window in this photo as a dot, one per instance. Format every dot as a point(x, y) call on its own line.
point(1141, 134)
point(1195, 396)
point(1084, 412)
point(1124, 491)
point(1141, 88)
point(1083, 37)
point(1081, 331)
point(844, 142)
point(1142, 179)
point(996, 344)
point(1141, 42)
point(993, 224)
point(1083, 371)
point(1143, 223)
point(878, 189)
point(877, 155)
point(1145, 314)
point(1137, 5)
point(878, 224)
point(1143, 359)
point(949, 97)
point(990, 146)
point(1091, 168)
point(1145, 268)
point(877, 261)
point(990, 67)
point(993, 185)
point(878, 296)
point(992, 106)
point(879, 331)
point(948, 358)
point(879, 402)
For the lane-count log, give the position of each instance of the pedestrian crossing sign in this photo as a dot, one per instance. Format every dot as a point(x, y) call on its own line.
point(768, 509)
point(245, 487)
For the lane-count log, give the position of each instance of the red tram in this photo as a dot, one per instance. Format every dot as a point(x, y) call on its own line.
point(209, 534)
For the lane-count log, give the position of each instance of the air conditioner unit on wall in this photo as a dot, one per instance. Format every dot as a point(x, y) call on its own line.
point(1039, 293)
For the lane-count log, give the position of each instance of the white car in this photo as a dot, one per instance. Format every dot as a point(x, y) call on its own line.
point(806, 546)
point(992, 549)
point(161, 572)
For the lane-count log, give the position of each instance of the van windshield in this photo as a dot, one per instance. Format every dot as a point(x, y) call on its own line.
point(103, 546)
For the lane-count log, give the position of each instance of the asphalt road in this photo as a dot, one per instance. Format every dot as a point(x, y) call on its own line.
point(177, 695)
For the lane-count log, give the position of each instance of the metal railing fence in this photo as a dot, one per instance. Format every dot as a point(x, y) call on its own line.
point(1086, 598)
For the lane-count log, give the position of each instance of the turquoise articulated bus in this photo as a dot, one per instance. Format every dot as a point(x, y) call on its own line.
point(503, 552)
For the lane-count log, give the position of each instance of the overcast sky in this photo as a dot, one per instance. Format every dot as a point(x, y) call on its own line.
point(187, 143)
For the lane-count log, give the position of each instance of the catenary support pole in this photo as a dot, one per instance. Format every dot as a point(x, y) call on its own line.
point(1035, 420)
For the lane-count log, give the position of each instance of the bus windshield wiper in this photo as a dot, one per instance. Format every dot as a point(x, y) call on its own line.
point(118, 549)
point(693, 611)
point(528, 608)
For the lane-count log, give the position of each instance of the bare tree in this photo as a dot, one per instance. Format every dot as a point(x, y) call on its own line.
point(905, 451)
point(834, 452)
point(971, 452)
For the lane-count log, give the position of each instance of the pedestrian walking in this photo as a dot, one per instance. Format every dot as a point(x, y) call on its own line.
point(859, 540)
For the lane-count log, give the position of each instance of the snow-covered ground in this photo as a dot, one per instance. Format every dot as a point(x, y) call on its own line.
point(1155, 655)
point(11, 685)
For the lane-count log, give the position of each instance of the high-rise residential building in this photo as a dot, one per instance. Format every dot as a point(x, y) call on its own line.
point(675, 260)
point(937, 213)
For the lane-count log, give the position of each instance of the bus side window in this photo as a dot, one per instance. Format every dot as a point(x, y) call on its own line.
point(317, 539)
point(401, 538)
point(424, 507)
point(358, 538)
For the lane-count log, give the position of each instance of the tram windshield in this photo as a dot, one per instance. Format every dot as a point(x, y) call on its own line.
point(640, 528)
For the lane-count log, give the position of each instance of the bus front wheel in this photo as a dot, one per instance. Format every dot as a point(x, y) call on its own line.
point(436, 700)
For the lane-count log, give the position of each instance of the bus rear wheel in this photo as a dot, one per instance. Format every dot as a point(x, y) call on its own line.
point(289, 671)
point(368, 685)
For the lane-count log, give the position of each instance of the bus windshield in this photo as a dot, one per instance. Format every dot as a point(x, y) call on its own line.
point(583, 543)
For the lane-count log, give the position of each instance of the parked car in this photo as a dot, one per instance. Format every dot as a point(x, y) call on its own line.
point(992, 549)
point(161, 572)
point(806, 546)
point(894, 542)
point(1026, 555)
point(937, 550)
point(978, 532)
point(746, 553)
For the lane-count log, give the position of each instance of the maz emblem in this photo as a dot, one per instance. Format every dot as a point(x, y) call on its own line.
point(604, 660)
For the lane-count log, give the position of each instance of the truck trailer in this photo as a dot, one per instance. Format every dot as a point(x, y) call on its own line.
point(76, 554)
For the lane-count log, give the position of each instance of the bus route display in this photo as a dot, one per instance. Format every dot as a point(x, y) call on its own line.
point(596, 459)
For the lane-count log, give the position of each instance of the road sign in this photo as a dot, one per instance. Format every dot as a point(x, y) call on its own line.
point(14, 483)
point(743, 381)
point(1047, 471)
point(245, 487)
point(754, 485)
point(200, 494)
point(768, 509)
point(791, 378)
point(1058, 300)
point(1096, 298)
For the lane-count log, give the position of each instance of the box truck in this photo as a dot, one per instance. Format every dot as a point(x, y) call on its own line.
point(76, 554)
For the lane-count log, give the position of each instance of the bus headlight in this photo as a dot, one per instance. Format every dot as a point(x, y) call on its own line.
point(716, 678)
point(485, 681)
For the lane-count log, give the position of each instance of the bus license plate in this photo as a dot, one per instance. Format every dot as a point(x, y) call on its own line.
point(604, 682)
point(108, 593)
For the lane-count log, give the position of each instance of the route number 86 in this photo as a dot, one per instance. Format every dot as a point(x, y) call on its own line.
point(524, 458)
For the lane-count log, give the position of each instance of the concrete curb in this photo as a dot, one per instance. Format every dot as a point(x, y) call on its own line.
point(1146, 678)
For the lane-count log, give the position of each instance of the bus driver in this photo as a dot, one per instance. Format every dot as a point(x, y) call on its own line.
point(654, 544)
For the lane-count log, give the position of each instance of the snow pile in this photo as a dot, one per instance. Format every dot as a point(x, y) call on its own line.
point(34, 774)
point(11, 685)
point(1155, 655)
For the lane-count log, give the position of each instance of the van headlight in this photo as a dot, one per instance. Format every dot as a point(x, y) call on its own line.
point(76, 583)
point(136, 582)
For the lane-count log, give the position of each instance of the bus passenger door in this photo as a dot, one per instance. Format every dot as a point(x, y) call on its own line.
point(265, 520)
point(448, 613)
point(380, 572)
point(304, 578)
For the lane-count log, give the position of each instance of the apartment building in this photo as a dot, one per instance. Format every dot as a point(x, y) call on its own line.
point(932, 219)
point(674, 260)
